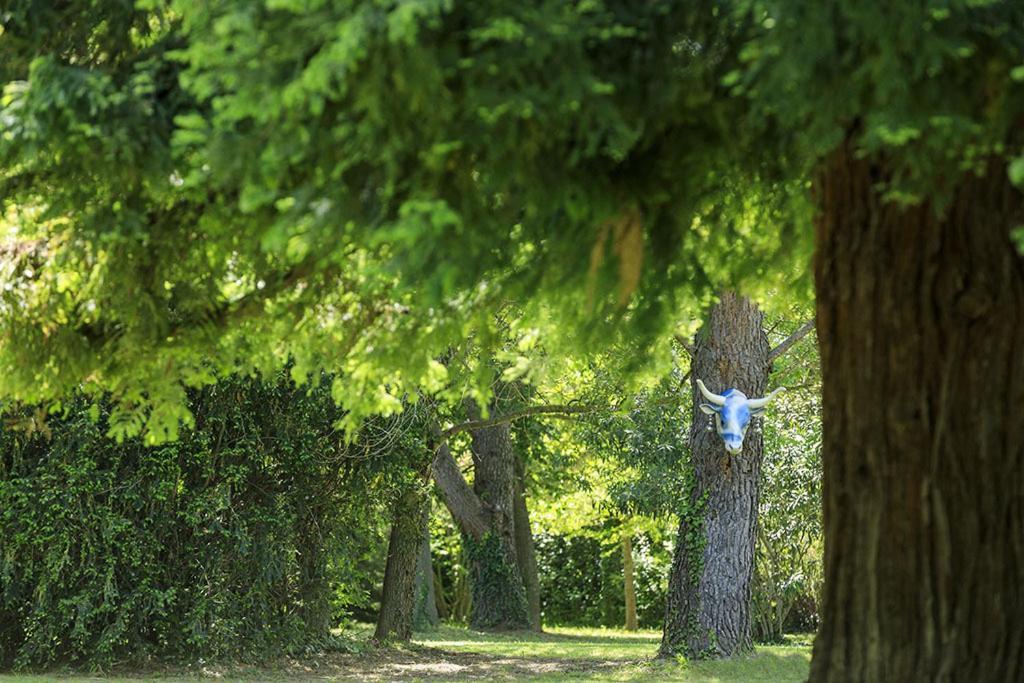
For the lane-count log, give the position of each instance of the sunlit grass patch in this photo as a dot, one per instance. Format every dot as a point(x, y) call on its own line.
point(589, 654)
point(554, 643)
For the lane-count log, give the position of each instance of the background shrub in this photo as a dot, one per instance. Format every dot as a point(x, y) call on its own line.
point(581, 580)
point(243, 539)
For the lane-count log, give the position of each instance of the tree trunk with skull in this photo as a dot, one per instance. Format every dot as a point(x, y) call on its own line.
point(921, 326)
point(707, 612)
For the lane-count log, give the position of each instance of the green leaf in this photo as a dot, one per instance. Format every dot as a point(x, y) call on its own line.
point(1016, 171)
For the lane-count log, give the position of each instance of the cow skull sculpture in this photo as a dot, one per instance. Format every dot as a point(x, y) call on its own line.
point(732, 411)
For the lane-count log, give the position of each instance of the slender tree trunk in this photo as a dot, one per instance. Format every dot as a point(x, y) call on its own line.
point(425, 612)
point(628, 582)
point(921, 325)
point(398, 597)
point(444, 606)
point(526, 553)
point(707, 610)
point(462, 601)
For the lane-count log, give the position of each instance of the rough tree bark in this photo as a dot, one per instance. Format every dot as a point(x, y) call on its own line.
point(484, 515)
point(526, 552)
point(707, 610)
point(398, 597)
point(629, 585)
point(921, 326)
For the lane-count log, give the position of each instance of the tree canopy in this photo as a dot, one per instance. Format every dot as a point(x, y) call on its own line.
point(193, 188)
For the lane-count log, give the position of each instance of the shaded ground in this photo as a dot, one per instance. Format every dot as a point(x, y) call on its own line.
point(457, 654)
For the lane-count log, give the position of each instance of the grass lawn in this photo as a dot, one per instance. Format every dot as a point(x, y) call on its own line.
point(458, 654)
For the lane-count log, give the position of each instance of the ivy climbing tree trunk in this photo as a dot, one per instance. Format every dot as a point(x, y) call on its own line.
point(526, 552)
point(314, 574)
point(398, 597)
point(921, 326)
point(707, 610)
point(484, 515)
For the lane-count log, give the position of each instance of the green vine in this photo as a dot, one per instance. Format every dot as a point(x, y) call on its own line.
point(499, 597)
point(694, 544)
point(696, 539)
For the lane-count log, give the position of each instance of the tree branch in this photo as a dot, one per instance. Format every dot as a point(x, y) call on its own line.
point(559, 411)
point(459, 498)
point(790, 341)
point(686, 344)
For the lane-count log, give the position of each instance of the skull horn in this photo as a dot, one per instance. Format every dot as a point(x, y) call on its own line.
point(762, 402)
point(713, 398)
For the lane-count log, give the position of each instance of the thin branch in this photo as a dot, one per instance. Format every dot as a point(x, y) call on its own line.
point(790, 341)
point(558, 411)
point(686, 344)
point(799, 387)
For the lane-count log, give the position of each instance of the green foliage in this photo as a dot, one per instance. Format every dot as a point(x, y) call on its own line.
point(192, 188)
point(789, 556)
point(240, 540)
point(652, 443)
point(582, 582)
point(450, 568)
point(933, 87)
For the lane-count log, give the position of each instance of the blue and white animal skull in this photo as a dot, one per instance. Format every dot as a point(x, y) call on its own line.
point(732, 411)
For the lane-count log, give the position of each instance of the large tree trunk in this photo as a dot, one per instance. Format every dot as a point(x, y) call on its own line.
point(398, 597)
point(484, 515)
point(526, 553)
point(707, 610)
point(629, 586)
point(921, 325)
point(499, 595)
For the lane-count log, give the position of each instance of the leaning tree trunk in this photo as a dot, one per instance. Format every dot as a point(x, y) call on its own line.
point(526, 553)
point(707, 610)
point(398, 597)
point(921, 325)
